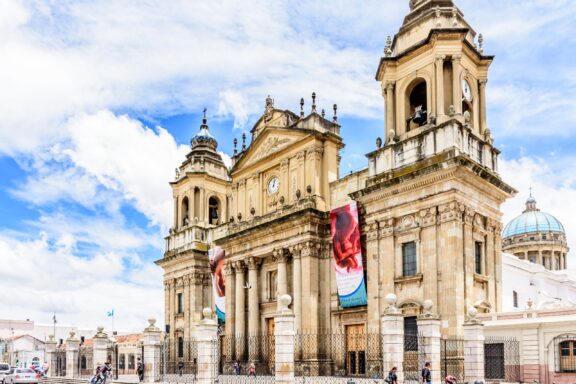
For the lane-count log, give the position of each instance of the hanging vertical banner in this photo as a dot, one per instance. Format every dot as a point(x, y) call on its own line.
point(216, 258)
point(348, 256)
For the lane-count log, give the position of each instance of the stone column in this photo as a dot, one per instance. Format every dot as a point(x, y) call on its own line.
point(389, 92)
point(72, 350)
point(50, 355)
point(482, 85)
point(207, 339)
point(392, 330)
point(473, 348)
point(439, 85)
point(152, 352)
point(282, 275)
point(284, 342)
point(297, 286)
point(253, 306)
point(456, 91)
point(100, 347)
point(230, 312)
point(429, 326)
point(240, 323)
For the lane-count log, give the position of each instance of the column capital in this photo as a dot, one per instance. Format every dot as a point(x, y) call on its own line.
point(440, 57)
point(254, 263)
point(295, 251)
point(456, 58)
point(239, 266)
point(390, 85)
point(483, 82)
point(310, 248)
point(229, 268)
point(280, 255)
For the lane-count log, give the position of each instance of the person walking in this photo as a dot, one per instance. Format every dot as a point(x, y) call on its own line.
point(426, 374)
point(392, 377)
point(236, 368)
point(140, 370)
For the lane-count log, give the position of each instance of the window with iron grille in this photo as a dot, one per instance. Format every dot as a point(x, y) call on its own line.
point(478, 257)
point(515, 298)
point(410, 333)
point(494, 361)
point(409, 259)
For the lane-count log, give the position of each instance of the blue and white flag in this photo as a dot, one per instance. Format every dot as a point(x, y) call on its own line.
point(110, 313)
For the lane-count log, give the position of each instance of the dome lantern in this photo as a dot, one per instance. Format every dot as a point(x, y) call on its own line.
point(203, 137)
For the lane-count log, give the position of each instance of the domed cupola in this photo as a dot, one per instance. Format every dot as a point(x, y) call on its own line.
point(536, 236)
point(203, 137)
point(532, 220)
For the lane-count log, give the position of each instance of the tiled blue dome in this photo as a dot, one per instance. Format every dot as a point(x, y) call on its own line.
point(531, 221)
point(203, 137)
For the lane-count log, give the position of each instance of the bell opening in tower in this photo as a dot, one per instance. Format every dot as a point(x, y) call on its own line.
point(213, 210)
point(417, 105)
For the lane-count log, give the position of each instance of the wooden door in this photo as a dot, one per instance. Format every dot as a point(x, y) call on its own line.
point(356, 349)
point(270, 344)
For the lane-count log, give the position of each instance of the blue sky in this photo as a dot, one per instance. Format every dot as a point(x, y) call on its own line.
point(99, 101)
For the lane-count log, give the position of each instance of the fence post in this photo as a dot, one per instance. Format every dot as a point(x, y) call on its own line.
point(473, 348)
point(284, 342)
point(151, 359)
point(392, 331)
point(72, 350)
point(99, 347)
point(429, 326)
point(206, 334)
point(50, 355)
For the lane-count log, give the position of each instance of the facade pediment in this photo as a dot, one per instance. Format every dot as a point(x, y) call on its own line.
point(273, 140)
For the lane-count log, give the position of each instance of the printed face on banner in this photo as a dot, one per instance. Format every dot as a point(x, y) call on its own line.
point(348, 256)
point(216, 258)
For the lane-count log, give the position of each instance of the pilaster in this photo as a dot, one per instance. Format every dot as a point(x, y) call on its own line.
point(100, 347)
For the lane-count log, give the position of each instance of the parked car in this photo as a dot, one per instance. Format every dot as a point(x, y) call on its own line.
point(21, 376)
point(4, 370)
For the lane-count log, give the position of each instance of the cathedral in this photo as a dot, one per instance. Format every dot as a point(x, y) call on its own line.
point(422, 220)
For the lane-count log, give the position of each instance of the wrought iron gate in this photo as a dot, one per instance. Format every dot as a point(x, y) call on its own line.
point(414, 358)
point(502, 359)
point(179, 360)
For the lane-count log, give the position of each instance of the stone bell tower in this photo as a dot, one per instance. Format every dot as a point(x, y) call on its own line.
point(433, 194)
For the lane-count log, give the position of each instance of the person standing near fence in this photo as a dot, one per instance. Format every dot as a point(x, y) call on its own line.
point(140, 370)
point(392, 377)
point(252, 370)
point(236, 368)
point(426, 374)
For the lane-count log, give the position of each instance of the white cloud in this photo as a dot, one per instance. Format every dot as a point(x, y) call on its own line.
point(80, 289)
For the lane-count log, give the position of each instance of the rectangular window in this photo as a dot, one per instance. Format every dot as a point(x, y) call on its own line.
point(410, 334)
point(180, 303)
point(409, 259)
point(515, 298)
point(478, 257)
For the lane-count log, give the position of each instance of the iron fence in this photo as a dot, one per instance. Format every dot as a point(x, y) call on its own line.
point(414, 358)
point(59, 362)
point(502, 359)
point(239, 353)
point(338, 355)
point(179, 360)
point(86, 361)
point(452, 358)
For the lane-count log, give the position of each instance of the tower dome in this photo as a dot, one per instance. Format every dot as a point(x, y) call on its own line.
point(203, 137)
point(536, 236)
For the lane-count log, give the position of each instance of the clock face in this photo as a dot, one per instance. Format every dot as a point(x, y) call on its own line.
point(466, 91)
point(273, 185)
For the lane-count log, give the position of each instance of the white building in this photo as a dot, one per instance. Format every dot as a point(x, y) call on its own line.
point(22, 350)
point(525, 282)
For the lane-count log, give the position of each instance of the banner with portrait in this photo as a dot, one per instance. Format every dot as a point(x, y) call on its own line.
point(347, 254)
point(216, 259)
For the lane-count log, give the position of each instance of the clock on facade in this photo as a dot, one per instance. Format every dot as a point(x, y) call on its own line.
point(466, 91)
point(273, 185)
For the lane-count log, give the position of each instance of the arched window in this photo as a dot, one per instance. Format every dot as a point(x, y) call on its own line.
point(122, 361)
point(83, 362)
point(417, 105)
point(213, 210)
point(185, 209)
